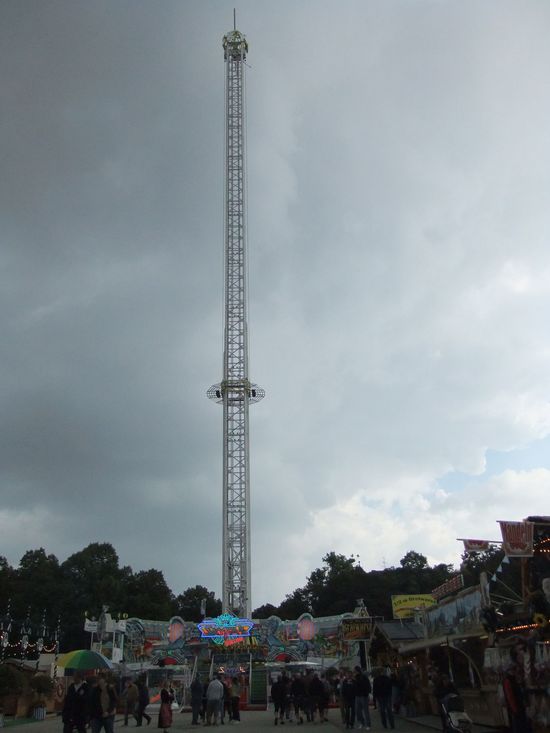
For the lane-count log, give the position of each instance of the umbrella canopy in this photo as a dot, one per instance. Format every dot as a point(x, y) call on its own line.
point(84, 659)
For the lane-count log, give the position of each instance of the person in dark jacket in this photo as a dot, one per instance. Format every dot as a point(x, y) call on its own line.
point(381, 691)
point(76, 707)
point(347, 690)
point(317, 692)
point(235, 700)
point(103, 702)
point(130, 696)
point(362, 692)
point(196, 700)
point(297, 691)
point(279, 696)
point(514, 696)
point(143, 701)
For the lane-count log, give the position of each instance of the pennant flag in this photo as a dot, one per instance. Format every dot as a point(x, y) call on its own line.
point(475, 545)
point(517, 538)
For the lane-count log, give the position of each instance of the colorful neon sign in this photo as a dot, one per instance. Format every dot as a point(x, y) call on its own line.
point(226, 629)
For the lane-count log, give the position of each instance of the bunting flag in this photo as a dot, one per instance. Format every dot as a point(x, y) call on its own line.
point(517, 538)
point(475, 545)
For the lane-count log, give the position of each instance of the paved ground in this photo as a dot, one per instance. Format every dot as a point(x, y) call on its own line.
point(251, 721)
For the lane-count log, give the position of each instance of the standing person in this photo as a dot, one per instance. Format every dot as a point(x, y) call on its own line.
point(297, 690)
point(381, 691)
point(278, 696)
point(514, 696)
point(395, 701)
point(347, 693)
point(204, 691)
point(143, 701)
point(308, 700)
point(327, 692)
point(165, 712)
point(317, 692)
point(214, 700)
point(196, 699)
point(103, 701)
point(235, 700)
point(362, 692)
point(130, 695)
point(226, 702)
point(76, 706)
point(341, 678)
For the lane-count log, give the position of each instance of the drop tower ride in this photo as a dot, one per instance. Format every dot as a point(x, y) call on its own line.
point(235, 392)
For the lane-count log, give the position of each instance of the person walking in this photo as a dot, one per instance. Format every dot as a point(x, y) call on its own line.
point(279, 696)
point(143, 701)
point(317, 693)
point(347, 692)
point(103, 702)
point(514, 696)
point(297, 690)
point(362, 692)
point(165, 711)
point(76, 706)
point(235, 700)
point(130, 695)
point(226, 702)
point(214, 700)
point(381, 691)
point(196, 700)
point(341, 678)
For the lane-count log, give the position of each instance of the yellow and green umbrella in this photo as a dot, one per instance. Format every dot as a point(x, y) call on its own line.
point(84, 659)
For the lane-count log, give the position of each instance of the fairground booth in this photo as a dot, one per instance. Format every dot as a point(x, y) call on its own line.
point(475, 635)
point(252, 650)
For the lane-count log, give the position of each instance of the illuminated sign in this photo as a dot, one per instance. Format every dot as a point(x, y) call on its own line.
point(226, 629)
point(356, 629)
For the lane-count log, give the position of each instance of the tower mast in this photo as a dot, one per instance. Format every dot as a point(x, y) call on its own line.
point(235, 392)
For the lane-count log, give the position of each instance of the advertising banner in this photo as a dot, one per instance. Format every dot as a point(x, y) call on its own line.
point(357, 629)
point(405, 606)
point(517, 538)
point(460, 615)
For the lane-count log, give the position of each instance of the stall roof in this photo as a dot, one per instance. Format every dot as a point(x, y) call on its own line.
point(414, 646)
point(401, 630)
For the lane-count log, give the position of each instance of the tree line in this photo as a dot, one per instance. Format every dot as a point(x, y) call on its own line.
point(80, 585)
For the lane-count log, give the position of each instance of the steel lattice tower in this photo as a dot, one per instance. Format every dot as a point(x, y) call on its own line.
point(235, 392)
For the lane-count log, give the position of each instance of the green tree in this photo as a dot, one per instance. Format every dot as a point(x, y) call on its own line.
point(38, 582)
point(414, 561)
point(294, 605)
point(6, 581)
point(476, 562)
point(94, 579)
point(188, 603)
point(148, 596)
point(265, 611)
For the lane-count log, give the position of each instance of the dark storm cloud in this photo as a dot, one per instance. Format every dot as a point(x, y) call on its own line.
point(397, 163)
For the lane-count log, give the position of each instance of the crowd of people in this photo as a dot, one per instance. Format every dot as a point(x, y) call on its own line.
point(93, 702)
point(215, 701)
point(306, 697)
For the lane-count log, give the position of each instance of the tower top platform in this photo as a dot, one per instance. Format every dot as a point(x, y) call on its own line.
point(235, 45)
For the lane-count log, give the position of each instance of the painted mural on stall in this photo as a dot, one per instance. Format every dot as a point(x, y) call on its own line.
point(270, 639)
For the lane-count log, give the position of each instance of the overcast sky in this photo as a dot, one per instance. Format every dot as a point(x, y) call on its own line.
point(399, 255)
